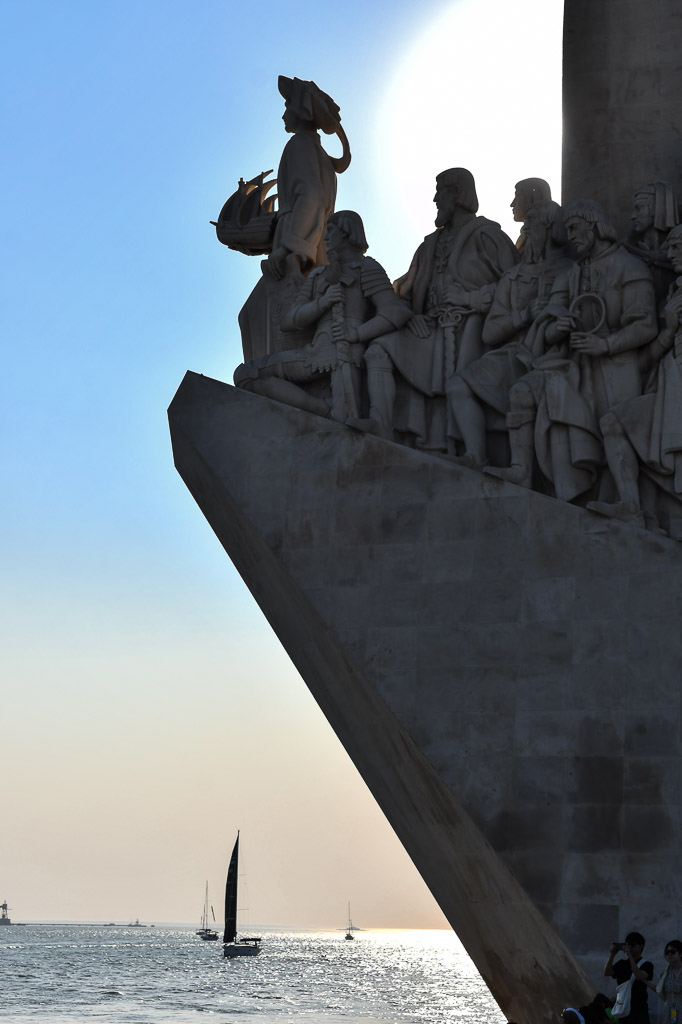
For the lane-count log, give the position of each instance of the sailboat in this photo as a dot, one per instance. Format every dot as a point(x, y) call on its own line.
point(350, 929)
point(206, 933)
point(231, 945)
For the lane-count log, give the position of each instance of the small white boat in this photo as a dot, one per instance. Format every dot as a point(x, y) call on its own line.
point(232, 946)
point(205, 932)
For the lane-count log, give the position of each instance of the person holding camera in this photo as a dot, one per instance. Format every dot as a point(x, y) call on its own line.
point(634, 972)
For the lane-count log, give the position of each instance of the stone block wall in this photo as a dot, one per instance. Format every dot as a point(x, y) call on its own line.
point(503, 668)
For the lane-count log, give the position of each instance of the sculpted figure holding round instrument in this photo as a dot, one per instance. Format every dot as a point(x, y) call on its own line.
point(585, 348)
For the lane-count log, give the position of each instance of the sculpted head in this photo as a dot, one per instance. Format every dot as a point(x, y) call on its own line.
point(654, 206)
point(544, 230)
point(307, 107)
point(345, 229)
point(528, 191)
point(455, 189)
point(674, 247)
point(587, 224)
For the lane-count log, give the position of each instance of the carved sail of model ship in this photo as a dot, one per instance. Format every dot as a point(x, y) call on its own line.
point(245, 947)
point(246, 222)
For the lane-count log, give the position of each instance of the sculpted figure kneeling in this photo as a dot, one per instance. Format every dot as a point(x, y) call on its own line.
point(350, 301)
point(450, 287)
point(479, 393)
point(646, 432)
point(556, 408)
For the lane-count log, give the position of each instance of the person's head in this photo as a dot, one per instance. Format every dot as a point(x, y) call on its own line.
point(526, 193)
point(634, 942)
point(544, 224)
point(345, 226)
point(455, 189)
point(674, 249)
point(673, 953)
point(654, 206)
point(586, 223)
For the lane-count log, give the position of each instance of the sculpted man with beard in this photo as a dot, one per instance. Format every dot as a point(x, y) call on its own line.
point(450, 287)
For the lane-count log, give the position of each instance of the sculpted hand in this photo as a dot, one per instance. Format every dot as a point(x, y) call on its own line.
point(589, 343)
point(342, 332)
point(330, 297)
point(536, 306)
point(277, 259)
point(420, 326)
point(565, 324)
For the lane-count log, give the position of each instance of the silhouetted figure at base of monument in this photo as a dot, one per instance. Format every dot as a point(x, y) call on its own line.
point(632, 974)
point(347, 303)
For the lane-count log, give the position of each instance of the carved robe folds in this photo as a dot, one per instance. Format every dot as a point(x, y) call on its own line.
point(574, 391)
point(306, 193)
point(473, 257)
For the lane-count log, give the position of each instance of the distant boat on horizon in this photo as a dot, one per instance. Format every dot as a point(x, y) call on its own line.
point(231, 945)
point(206, 933)
point(350, 928)
point(136, 924)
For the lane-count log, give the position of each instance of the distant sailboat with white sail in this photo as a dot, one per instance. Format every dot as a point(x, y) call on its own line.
point(231, 945)
point(207, 933)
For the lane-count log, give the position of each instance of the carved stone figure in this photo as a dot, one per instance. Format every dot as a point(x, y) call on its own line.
point(293, 236)
point(646, 432)
point(347, 302)
point(450, 287)
point(654, 213)
point(306, 176)
point(600, 312)
point(527, 192)
point(479, 393)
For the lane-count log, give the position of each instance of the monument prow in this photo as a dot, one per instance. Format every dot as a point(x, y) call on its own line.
point(481, 652)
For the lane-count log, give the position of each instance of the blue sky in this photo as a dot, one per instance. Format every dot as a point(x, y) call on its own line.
point(134, 660)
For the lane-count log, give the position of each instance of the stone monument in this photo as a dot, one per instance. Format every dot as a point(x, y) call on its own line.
point(457, 503)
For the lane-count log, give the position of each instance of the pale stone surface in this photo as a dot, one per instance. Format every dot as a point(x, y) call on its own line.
point(503, 668)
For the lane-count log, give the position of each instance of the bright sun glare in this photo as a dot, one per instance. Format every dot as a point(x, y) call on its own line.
point(479, 88)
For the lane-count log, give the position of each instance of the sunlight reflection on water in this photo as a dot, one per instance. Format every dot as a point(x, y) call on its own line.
point(79, 974)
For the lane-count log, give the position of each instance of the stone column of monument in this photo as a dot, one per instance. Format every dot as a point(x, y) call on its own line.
point(622, 100)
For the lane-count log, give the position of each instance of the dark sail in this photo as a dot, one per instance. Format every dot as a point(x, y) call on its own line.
point(231, 896)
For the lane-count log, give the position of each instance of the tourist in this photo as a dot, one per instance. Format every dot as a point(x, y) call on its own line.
point(669, 987)
point(632, 967)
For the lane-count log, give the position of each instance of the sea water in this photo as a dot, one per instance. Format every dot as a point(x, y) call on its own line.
point(82, 974)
